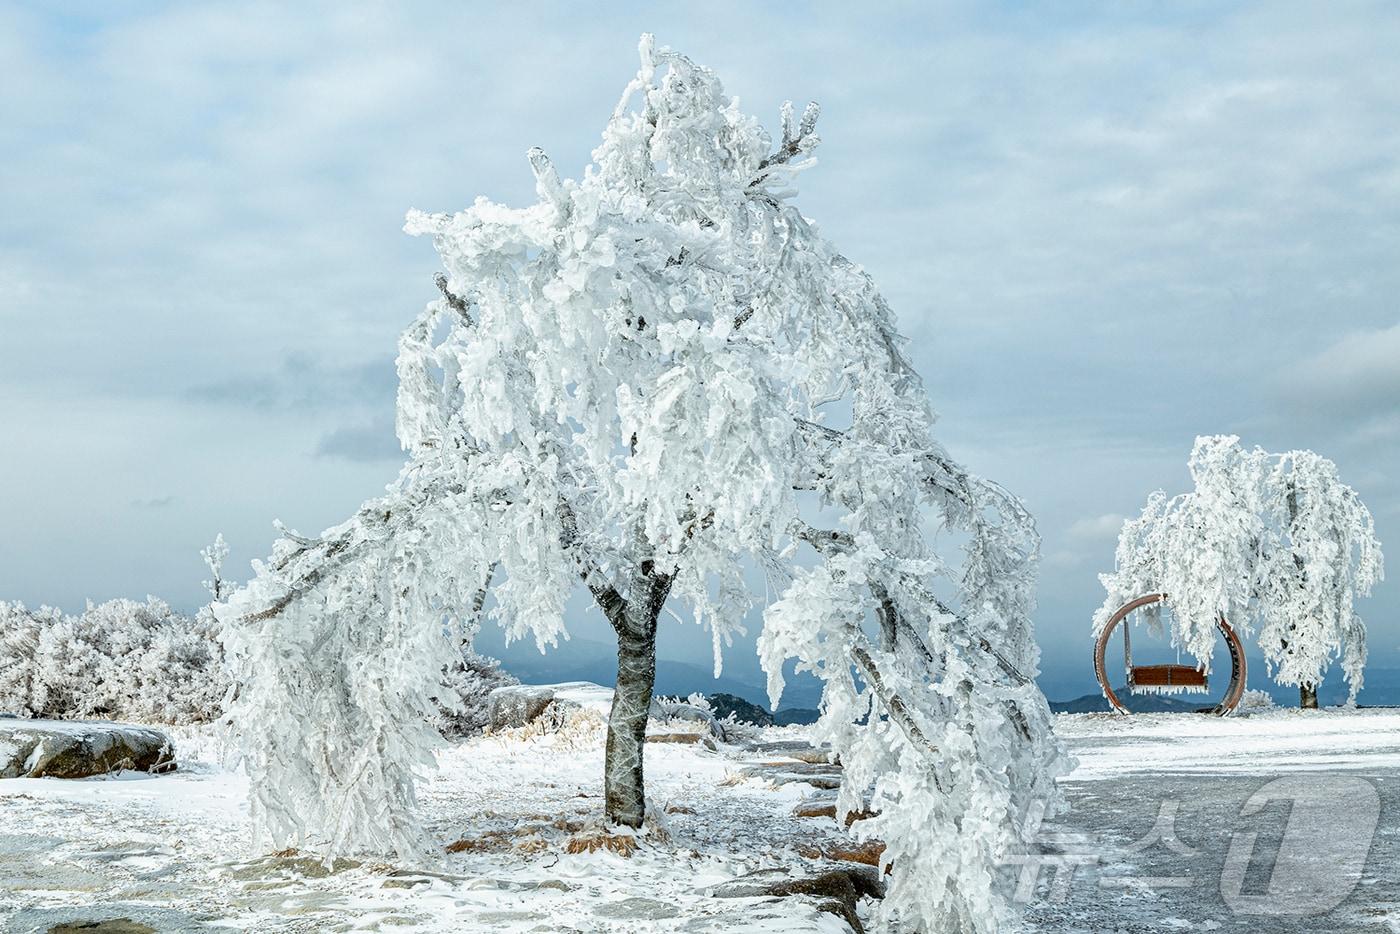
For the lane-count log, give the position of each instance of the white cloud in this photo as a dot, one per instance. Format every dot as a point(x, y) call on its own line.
point(1095, 529)
point(1362, 370)
point(1104, 233)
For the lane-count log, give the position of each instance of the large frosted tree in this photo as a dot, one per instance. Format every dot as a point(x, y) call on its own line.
point(1276, 543)
point(654, 379)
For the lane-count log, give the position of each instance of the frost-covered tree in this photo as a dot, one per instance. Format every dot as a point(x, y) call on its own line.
point(23, 690)
point(653, 378)
point(1274, 543)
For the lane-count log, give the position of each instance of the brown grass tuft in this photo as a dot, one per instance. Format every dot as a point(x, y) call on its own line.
point(622, 844)
point(522, 840)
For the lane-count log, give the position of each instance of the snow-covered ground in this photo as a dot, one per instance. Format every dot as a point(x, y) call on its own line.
point(173, 851)
point(1283, 820)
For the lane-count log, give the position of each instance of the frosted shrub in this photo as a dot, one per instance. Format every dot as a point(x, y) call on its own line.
point(122, 659)
point(468, 686)
point(1256, 700)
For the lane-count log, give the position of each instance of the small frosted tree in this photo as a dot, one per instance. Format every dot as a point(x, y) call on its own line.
point(1274, 543)
point(214, 557)
point(626, 386)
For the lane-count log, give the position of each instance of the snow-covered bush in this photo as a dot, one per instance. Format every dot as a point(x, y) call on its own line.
point(1256, 700)
point(1273, 542)
point(143, 661)
point(22, 690)
point(468, 685)
point(121, 659)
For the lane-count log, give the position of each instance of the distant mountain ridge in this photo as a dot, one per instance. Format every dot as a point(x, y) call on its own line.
point(589, 660)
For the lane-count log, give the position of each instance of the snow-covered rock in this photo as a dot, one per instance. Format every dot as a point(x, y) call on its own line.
point(78, 749)
point(662, 709)
point(517, 705)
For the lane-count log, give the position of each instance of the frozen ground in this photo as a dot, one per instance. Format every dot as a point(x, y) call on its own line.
point(172, 852)
point(1324, 824)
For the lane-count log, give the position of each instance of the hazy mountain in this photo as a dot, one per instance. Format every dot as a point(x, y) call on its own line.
point(589, 660)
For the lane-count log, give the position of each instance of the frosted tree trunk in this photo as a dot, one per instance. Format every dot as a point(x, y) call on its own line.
point(634, 621)
point(624, 788)
point(1307, 693)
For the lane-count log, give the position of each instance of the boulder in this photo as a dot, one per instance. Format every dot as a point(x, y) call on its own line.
point(664, 709)
point(816, 774)
point(793, 749)
point(78, 749)
point(517, 705)
point(836, 892)
point(684, 739)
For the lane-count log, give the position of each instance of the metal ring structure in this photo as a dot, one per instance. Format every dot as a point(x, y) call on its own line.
point(1233, 693)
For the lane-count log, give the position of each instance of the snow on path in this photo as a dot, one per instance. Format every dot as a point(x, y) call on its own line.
point(1108, 745)
point(173, 851)
point(1194, 822)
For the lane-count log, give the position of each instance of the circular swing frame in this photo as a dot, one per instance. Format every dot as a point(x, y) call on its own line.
point(1233, 693)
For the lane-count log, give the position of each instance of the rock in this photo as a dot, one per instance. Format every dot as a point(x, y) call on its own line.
point(289, 865)
point(793, 749)
point(115, 926)
point(680, 710)
point(727, 705)
point(78, 749)
point(836, 892)
point(517, 705)
point(824, 808)
point(868, 852)
point(556, 885)
point(754, 885)
point(786, 773)
point(637, 909)
point(692, 739)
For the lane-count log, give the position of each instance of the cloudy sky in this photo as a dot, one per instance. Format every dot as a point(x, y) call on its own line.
point(1105, 231)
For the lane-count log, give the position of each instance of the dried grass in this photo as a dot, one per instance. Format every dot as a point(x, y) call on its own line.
point(527, 838)
point(623, 845)
point(566, 727)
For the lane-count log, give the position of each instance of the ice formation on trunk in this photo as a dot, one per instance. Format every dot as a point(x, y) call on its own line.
point(627, 384)
point(1274, 542)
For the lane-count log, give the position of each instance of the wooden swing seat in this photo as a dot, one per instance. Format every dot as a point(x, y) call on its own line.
point(1169, 677)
